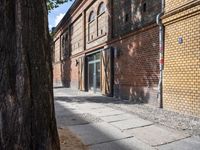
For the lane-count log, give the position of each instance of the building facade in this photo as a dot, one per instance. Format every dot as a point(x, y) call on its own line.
point(111, 47)
point(181, 89)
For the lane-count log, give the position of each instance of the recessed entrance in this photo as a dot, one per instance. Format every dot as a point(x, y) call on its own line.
point(94, 73)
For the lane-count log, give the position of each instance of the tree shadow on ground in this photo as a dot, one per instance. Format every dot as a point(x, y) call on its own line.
point(95, 99)
point(92, 130)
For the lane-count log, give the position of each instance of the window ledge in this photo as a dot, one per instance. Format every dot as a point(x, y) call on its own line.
point(101, 14)
point(97, 38)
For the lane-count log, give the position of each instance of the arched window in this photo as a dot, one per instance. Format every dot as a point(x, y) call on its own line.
point(91, 26)
point(102, 8)
point(91, 17)
point(102, 19)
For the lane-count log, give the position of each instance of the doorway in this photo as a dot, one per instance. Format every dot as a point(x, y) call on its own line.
point(94, 73)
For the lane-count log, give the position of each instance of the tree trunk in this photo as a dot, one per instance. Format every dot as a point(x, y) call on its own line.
point(27, 117)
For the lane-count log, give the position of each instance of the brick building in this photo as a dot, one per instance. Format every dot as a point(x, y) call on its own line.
point(112, 47)
point(109, 46)
point(181, 89)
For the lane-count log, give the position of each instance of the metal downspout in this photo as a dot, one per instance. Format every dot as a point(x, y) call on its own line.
point(161, 53)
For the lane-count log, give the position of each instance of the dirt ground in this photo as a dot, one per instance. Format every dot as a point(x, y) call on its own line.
point(68, 141)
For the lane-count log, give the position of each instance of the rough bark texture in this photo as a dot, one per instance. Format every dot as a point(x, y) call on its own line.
point(27, 119)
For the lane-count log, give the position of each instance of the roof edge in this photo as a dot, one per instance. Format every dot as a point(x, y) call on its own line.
point(67, 14)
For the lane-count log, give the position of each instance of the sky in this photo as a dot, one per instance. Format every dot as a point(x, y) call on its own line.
point(57, 14)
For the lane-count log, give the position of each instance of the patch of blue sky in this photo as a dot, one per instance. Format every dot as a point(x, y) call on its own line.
point(58, 13)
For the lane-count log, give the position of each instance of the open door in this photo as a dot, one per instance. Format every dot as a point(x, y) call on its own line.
point(107, 74)
point(81, 74)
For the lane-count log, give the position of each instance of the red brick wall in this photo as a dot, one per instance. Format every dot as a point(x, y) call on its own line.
point(76, 36)
point(137, 68)
point(128, 15)
point(57, 74)
point(66, 73)
point(74, 73)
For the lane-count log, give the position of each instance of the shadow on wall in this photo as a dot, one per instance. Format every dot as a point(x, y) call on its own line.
point(66, 73)
point(137, 67)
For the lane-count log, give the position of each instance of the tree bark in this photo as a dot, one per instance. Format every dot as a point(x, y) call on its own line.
point(27, 116)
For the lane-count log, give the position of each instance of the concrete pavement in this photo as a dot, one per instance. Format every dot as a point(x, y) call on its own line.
point(104, 128)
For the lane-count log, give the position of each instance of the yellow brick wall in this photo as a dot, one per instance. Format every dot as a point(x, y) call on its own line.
point(172, 4)
point(182, 62)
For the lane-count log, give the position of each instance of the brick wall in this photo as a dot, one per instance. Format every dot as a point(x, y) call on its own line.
point(76, 36)
point(130, 15)
point(57, 74)
point(76, 31)
point(137, 68)
point(173, 4)
point(66, 72)
point(74, 73)
point(182, 61)
point(57, 50)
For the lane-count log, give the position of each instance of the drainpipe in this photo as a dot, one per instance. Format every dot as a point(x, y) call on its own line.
point(161, 53)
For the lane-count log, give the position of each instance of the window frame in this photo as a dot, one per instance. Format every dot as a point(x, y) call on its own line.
point(92, 17)
point(101, 5)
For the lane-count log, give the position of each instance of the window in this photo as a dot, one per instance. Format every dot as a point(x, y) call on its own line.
point(144, 7)
point(102, 8)
point(126, 17)
point(91, 25)
point(66, 38)
point(101, 31)
point(64, 46)
point(101, 19)
point(63, 41)
point(91, 17)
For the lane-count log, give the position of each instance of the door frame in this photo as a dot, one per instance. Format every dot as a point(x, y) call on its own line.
point(94, 62)
point(111, 64)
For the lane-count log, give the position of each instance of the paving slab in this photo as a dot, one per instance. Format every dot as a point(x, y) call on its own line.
point(61, 109)
point(96, 133)
point(124, 144)
point(156, 135)
point(91, 106)
point(63, 122)
point(192, 143)
point(131, 123)
point(102, 112)
point(120, 117)
point(64, 105)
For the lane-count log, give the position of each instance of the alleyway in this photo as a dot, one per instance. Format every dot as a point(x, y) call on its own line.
point(105, 123)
